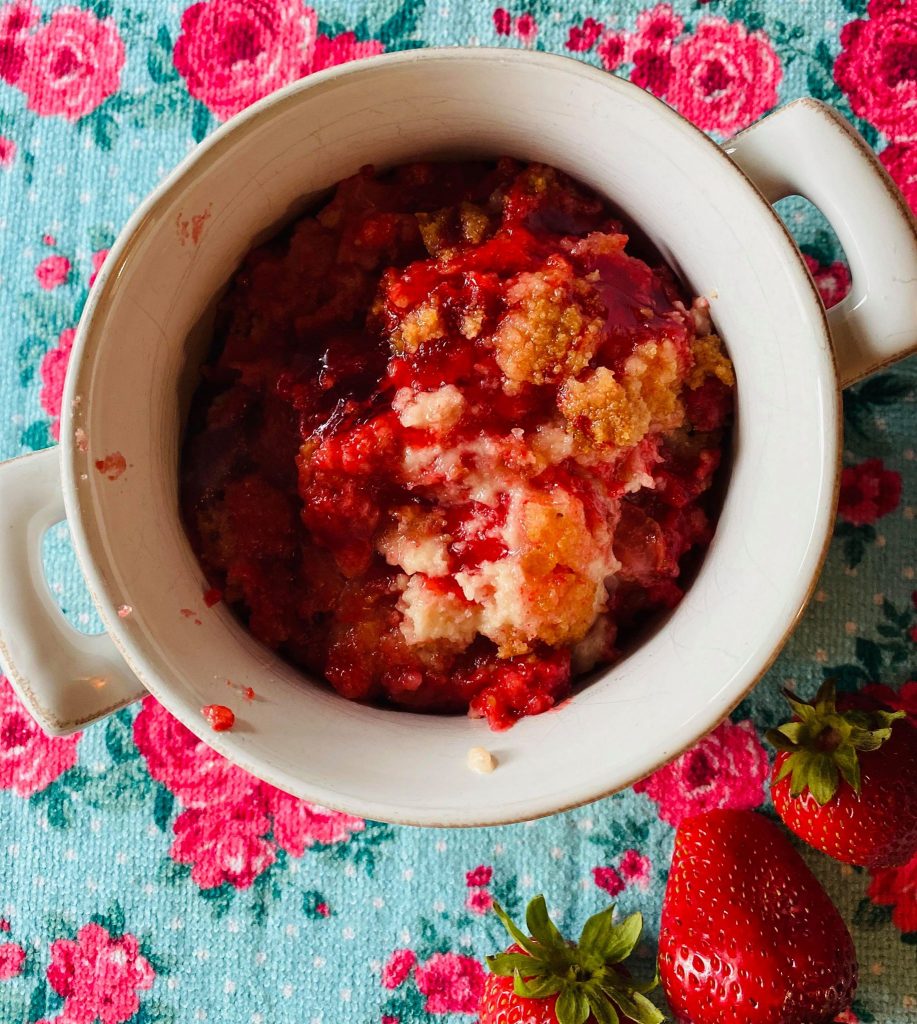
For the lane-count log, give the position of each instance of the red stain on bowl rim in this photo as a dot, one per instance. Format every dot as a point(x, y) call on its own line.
point(191, 228)
point(213, 596)
point(247, 692)
point(189, 613)
point(219, 717)
point(112, 466)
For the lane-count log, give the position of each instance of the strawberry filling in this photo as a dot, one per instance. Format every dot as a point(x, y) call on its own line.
point(456, 439)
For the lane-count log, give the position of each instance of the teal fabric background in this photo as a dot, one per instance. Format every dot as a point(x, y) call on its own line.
point(119, 899)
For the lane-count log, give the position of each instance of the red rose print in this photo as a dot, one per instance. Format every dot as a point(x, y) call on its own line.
point(897, 888)
point(901, 163)
point(329, 52)
point(452, 983)
point(52, 272)
point(72, 64)
point(185, 765)
point(224, 844)
point(298, 825)
point(608, 880)
point(904, 699)
point(650, 48)
point(832, 281)
point(53, 374)
point(398, 968)
point(612, 49)
point(652, 70)
point(7, 152)
point(583, 37)
point(877, 67)
point(233, 52)
point(12, 959)
point(481, 875)
point(29, 760)
point(868, 492)
point(503, 21)
point(15, 21)
point(724, 77)
point(99, 976)
point(726, 769)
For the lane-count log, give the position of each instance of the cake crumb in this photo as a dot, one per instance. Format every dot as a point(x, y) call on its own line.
point(481, 760)
point(82, 441)
point(124, 610)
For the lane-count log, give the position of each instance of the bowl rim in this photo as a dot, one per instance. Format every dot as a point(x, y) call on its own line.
point(85, 348)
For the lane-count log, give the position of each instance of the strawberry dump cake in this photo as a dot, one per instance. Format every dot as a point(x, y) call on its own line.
point(456, 440)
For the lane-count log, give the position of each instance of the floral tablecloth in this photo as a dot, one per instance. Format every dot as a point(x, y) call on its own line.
point(144, 879)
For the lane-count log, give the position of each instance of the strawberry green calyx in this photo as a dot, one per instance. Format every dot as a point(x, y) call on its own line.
point(586, 977)
point(823, 744)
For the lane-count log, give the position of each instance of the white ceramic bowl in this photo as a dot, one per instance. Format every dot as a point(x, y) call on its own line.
point(143, 335)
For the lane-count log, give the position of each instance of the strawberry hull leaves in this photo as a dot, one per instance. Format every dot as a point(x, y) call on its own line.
point(547, 979)
point(845, 781)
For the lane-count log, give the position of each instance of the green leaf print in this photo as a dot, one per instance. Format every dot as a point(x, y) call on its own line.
point(163, 805)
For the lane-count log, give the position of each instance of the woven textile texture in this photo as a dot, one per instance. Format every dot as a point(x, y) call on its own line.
point(143, 878)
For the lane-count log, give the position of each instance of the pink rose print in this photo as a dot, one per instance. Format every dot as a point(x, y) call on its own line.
point(15, 21)
point(99, 976)
point(901, 163)
point(185, 765)
point(726, 769)
point(583, 37)
point(98, 258)
point(224, 844)
point(724, 77)
point(635, 868)
point(452, 983)
point(53, 373)
point(868, 492)
point(329, 52)
point(398, 968)
point(897, 888)
point(7, 152)
point(608, 880)
point(479, 901)
point(832, 281)
point(223, 831)
point(233, 52)
point(52, 272)
point(298, 824)
point(875, 67)
point(29, 760)
point(12, 959)
point(650, 48)
point(612, 50)
point(526, 28)
point(657, 28)
point(72, 64)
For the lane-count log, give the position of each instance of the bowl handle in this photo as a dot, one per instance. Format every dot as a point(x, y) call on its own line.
point(66, 679)
point(808, 149)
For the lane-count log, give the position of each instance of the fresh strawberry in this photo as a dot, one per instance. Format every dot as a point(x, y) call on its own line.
point(543, 979)
point(748, 936)
point(846, 781)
